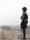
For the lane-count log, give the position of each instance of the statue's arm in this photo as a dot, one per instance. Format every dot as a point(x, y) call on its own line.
point(21, 17)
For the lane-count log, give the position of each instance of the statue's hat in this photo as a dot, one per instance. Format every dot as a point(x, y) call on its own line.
point(24, 8)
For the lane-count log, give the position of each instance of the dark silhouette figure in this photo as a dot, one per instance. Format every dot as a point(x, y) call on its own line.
point(24, 22)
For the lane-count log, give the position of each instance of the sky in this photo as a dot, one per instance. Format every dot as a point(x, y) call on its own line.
point(11, 11)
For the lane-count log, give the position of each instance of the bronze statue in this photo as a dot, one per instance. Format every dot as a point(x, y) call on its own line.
point(24, 22)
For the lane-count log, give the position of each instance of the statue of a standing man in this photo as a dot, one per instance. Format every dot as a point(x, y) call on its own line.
point(24, 22)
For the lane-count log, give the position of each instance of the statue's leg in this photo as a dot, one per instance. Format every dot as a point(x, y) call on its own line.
point(24, 33)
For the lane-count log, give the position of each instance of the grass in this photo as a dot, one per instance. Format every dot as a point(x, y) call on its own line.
point(10, 35)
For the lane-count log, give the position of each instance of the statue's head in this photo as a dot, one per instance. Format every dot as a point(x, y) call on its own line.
point(24, 9)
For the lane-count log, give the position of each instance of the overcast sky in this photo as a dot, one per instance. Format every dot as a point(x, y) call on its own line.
point(11, 11)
